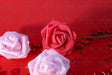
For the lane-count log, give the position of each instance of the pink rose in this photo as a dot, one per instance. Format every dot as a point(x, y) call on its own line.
point(14, 45)
point(49, 62)
point(58, 36)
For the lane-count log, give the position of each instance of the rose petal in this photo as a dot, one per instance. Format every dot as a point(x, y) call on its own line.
point(14, 45)
point(58, 36)
point(49, 62)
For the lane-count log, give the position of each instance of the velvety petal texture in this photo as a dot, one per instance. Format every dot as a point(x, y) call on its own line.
point(58, 36)
point(14, 45)
point(49, 62)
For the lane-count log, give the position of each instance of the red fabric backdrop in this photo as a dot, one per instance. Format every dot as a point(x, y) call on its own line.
point(83, 16)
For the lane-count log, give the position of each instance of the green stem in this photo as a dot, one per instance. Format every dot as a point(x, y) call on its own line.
point(94, 37)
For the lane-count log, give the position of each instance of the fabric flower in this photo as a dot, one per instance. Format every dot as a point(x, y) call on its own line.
point(49, 62)
point(14, 45)
point(58, 36)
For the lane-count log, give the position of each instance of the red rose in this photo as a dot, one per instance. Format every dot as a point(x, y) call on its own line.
point(58, 36)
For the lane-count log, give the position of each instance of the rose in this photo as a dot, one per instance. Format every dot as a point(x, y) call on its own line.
point(14, 45)
point(49, 62)
point(58, 36)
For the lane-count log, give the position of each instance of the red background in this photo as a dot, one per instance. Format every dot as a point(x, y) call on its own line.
point(83, 16)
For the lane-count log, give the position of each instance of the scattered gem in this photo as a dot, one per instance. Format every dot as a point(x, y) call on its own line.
point(15, 71)
point(34, 45)
point(108, 59)
point(37, 44)
point(98, 73)
point(100, 32)
point(111, 48)
point(32, 41)
point(33, 50)
point(106, 72)
point(110, 71)
point(107, 32)
point(76, 61)
point(84, 41)
point(79, 45)
point(88, 37)
point(93, 34)
point(70, 72)
point(83, 52)
point(110, 43)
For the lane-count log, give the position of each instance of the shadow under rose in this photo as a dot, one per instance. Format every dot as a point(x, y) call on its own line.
point(33, 31)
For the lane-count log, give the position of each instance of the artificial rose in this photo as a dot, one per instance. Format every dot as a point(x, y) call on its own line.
point(58, 36)
point(14, 45)
point(49, 62)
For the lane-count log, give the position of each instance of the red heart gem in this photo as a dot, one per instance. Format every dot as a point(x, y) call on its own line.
point(83, 52)
point(15, 71)
point(76, 61)
point(84, 41)
point(79, 45)
point(33, 50)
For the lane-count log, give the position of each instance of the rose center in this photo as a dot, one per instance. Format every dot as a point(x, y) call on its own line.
point(12, 37)
point(48, 68)
point(12, 43)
